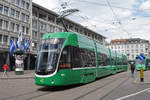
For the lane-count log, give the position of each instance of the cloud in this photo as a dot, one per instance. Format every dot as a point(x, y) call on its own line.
point(49, 4)
point(145, 5)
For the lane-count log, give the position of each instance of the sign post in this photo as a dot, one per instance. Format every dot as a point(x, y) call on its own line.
point(141, 75)
point(141, 57)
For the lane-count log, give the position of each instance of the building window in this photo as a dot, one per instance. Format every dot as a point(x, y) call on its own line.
point(27, 18)
point(141, 50)
point(127, 46)
point(27, 30)
point(136, 50)
point(132, 56)
point(12, 13)
point(34, 24)
point(1, 9)
point(1, 22)
point(0, 38)
point(5, 10)
point(23, 17)
point(17, 14)
point(12, 1)
point(35, 34)
point(23, 29)
point(35, 45)
point(34, 13)
point(17, 27)
point(5, 24)
point(42, 35)
point(27, 5)
point(12, 26)
point(17, 2)
point(23, 4)
point(5, 39)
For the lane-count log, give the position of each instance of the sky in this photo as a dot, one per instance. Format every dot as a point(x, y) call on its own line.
point(114, 19)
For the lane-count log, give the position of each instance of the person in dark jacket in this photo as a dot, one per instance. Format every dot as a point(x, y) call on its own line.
point(132, 66)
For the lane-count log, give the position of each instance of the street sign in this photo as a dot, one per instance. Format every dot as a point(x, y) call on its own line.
point(141, 57)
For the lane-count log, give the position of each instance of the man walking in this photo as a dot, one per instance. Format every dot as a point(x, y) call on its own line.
point(132, 65)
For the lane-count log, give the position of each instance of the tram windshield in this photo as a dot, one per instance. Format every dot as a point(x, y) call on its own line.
point(48, 57)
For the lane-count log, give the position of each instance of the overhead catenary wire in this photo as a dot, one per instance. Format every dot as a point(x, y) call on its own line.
point(116, 17)
point(111, 6)
point(114, 6)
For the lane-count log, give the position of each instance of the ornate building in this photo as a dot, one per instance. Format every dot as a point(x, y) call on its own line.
point(131, 47)
point(15, 16)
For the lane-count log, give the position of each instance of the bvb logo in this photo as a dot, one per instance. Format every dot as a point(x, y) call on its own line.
point(41, 80)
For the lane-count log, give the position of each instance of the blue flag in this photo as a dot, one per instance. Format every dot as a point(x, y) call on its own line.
point(23, 42)
point(19, 40)
point(12, 47)
point(28, 45)
point(17, 45)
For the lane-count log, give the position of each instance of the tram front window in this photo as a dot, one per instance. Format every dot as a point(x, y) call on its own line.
point(49, 54)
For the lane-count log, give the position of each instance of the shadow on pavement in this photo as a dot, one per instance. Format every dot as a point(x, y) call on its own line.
point(59, 88)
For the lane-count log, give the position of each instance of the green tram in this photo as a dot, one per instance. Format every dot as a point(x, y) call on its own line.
point(145, 63)
point(67, 58)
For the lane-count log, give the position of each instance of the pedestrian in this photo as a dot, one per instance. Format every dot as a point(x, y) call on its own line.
point(5, 68)
point(132, 67)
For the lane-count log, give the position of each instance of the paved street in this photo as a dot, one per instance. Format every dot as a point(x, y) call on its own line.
point(115, 87)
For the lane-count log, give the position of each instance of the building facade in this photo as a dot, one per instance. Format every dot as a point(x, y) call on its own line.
point(33, 21)
point(131, 47)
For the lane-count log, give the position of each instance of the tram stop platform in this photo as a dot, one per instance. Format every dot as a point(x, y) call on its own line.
point(146, 77)
point(12, 75)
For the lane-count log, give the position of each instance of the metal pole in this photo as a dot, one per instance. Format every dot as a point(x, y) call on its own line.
point(64, 24)
point(141, 74)
point(28, 66)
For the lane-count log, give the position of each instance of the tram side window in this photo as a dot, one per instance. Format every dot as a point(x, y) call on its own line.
point(107, 60)
point(113, 60)
point(100, 61)
point(125, 61)
point(88, 58)
point(103, 59)
point(75, 58)
point(119, 61)
point(65, 60)
point(148, 62)
point(84, 58)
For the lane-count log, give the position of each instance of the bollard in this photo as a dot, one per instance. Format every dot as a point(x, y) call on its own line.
point(141, 74)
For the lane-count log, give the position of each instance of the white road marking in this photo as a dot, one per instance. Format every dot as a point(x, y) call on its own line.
point(121, 98)
point(148, 91)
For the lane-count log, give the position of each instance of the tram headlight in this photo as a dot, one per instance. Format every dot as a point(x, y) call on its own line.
point(53, 81)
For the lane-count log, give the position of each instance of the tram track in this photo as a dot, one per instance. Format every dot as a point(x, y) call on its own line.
point(47, 91)
point(100, 87)
point(30, 95)
point(114, 88)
